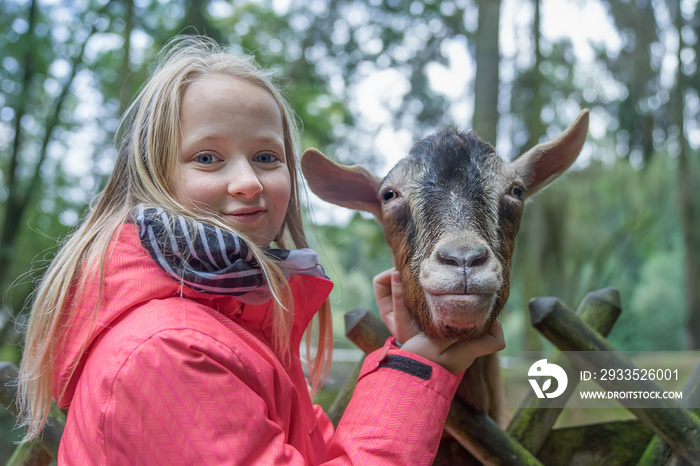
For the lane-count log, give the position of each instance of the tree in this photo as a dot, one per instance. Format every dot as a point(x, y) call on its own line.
point(654, 115)
point(37, 117)
point(637, 66)
point(540, 254)
point(488, 60)
point(687, 172)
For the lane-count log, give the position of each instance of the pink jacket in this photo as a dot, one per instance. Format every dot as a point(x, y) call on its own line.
point(174, 376)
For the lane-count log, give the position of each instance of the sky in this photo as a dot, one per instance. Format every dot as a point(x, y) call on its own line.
point(584, 23)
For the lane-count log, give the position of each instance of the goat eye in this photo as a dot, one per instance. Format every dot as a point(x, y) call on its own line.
point(389, 195)
point(517, 191)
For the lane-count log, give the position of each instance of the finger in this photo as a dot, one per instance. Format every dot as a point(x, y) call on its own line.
point(423, 345)
point(397, 293)
point(383, 295)
point(492, 341)
point(384, 278)
point(456, 356)
point(449, 355)
point(382, 290)
point(406, 326)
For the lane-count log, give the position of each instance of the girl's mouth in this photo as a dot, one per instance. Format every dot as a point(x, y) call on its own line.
point(246, 216)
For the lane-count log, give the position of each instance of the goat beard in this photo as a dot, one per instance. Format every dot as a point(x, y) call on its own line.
point(444, 332)
point(429, 322)
point(434, 327)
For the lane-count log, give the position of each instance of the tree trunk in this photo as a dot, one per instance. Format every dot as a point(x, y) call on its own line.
point(196, 22)
point(125, 68)
point(21, 194)
point(686, 191)
point(13, 205)
point(486, 82)
point(536, 233)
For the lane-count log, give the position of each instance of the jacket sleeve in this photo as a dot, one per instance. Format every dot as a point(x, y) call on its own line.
point(184, 398)
point(397, 411)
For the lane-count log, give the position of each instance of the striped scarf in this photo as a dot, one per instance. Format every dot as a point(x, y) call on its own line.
point(212, 260)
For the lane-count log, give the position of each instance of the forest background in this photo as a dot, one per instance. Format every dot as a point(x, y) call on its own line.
point(366, 78)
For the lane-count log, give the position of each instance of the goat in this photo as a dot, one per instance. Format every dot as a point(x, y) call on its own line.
point(450, 211)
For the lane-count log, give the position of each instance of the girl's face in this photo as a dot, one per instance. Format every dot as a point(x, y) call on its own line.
point(232, 155)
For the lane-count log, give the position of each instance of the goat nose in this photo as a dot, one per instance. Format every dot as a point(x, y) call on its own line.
point(465, 257)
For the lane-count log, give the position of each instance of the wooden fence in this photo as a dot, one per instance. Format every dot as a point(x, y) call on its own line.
point(660, 436)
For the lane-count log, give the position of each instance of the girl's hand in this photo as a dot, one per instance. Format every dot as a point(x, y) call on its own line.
point(389, 294)
point(453, 355)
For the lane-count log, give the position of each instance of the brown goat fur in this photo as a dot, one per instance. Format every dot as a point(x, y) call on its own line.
point(450, 211)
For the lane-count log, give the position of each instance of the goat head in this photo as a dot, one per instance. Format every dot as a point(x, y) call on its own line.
point(450, 211)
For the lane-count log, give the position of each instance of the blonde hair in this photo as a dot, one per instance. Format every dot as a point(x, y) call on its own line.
point(143, 174)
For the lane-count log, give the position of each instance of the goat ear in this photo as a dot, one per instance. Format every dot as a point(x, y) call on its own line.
point(544, 162)
point(347, 186)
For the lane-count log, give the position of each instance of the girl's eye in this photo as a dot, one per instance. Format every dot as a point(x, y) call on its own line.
point(266, 158)
point(205, 158)
point(517, 191)
point(389, 195)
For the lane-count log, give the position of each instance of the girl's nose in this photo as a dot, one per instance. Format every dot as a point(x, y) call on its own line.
point(244, 182)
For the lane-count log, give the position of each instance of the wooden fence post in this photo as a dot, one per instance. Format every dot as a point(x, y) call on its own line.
point(531, 424)
point(657, 452)
point(483, 438)
point(32, 452)
point(675, 425)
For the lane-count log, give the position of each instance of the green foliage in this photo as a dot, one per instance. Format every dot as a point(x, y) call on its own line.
point(538, 91)
point(654, 318)
point(351, 256)
point(610, 226)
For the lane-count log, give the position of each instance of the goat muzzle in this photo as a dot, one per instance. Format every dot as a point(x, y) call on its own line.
point(461, 279)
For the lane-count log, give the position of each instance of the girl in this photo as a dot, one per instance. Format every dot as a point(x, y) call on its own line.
point(170, 328)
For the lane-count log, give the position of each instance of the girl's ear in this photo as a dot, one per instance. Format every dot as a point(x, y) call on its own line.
point(347, 186)
point(544, 162)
